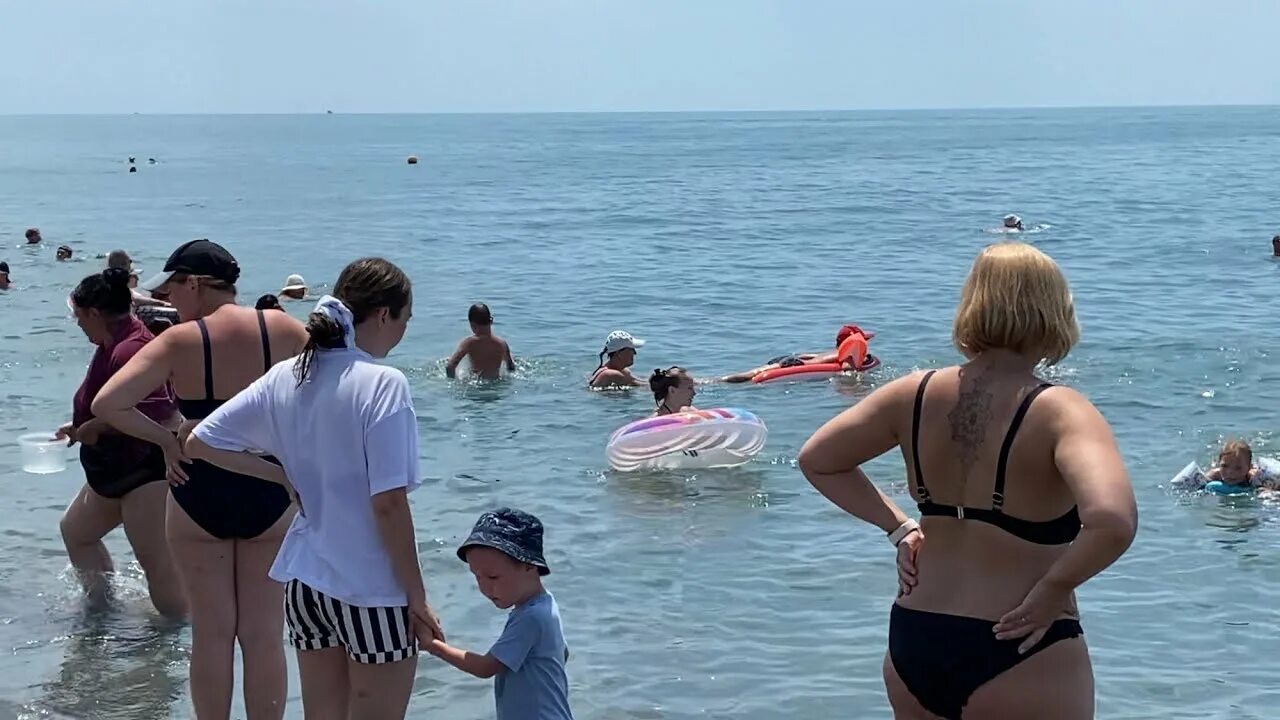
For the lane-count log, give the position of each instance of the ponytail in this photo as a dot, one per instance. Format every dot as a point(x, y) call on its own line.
point(107, 292)
point(323, 332)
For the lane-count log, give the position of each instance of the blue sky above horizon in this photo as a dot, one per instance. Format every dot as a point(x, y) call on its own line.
point(243, 56)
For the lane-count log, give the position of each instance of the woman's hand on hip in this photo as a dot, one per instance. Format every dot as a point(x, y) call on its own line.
point(908, 549)
point(1046, 603)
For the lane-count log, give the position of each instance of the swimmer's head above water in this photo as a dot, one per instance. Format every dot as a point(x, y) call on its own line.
point(1013, 222)
point(480, 318)
point(64, 252)
point(673, 389)
point(620, 350)
point(1235, 461)
point(1275, 246)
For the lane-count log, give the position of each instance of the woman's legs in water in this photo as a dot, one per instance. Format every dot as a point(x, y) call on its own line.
point(325, 685)
point(86, 521)
point(143, 512)
point(207, 568)
point(381, 692)
point(260, 623)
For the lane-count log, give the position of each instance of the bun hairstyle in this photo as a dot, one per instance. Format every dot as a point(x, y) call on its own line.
point(107, 292)
point(364, 286)
point(662, 381)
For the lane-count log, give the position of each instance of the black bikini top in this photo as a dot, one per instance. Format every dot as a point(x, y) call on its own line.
point(1059, 531)
point(199, 409)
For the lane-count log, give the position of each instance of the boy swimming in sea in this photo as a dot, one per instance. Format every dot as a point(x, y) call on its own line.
point(487, 352)
point(1235, 467)
point(504, 551)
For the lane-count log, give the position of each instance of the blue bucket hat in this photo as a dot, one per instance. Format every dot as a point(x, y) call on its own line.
point(513, 532)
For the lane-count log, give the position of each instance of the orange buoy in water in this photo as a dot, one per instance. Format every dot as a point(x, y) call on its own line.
point(413, 160)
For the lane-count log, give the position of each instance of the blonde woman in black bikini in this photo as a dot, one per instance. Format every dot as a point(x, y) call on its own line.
point(1024, 497)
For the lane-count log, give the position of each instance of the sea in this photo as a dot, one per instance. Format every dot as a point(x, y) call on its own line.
point(722, 239)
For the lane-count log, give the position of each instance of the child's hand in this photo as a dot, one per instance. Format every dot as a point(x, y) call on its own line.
point(436, 648)
point(426, 625)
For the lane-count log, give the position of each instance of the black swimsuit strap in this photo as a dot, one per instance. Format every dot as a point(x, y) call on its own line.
point(915, 436)
point(208, 359)
point(266, 342)
point(997, 496)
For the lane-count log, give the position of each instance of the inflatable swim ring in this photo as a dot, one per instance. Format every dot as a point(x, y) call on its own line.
point(823, 371)
point(1192, 477)
point(720, 437)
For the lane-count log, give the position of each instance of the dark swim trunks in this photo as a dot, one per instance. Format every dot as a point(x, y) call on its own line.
point(786, 361)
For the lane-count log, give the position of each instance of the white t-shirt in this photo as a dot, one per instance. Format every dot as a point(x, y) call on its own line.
point(347, 434)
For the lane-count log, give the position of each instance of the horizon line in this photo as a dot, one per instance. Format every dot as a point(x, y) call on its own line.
point(328, 111)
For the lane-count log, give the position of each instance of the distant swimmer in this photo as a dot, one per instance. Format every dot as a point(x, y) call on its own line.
point(1012, 223)
point(64, 253)
point(151, 161)
point(866, 361)
point(487, 352)
point(4, 276)
point(673, 390)
point(33, 236)
point(133, 168)
point(616, 359)
point(132, 160)
point(1275, 246)
point(295, 288)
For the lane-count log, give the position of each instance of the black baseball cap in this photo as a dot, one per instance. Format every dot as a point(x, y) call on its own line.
point(204, 258)
point(480, 315)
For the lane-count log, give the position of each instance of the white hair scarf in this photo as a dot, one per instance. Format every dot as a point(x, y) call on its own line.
point(337, 311)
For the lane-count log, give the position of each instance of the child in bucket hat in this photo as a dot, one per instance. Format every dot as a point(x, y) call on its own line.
point(504, 551)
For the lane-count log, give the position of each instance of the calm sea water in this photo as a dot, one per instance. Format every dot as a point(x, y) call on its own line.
point(722, 239)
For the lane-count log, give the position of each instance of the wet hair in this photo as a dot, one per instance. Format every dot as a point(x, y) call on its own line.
point(107, 292)
point(1016, 298)
point(64, 249)
point(1231, 448)
point(268, 302)
point(479, 314)
point(364, 286)
point(662, 382)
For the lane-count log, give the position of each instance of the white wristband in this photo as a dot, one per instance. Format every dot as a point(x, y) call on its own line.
point(903, 531)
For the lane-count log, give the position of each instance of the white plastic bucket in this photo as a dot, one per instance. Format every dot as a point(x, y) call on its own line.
point(42, 453)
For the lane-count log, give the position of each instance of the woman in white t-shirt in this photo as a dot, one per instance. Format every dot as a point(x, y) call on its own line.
point(345, 432)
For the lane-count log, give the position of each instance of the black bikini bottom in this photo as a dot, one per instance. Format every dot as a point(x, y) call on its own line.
point(942, 659)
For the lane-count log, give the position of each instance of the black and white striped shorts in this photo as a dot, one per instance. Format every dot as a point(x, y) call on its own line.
point(369, 635)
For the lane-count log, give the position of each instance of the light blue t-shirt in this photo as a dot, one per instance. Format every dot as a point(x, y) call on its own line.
point(534, 686)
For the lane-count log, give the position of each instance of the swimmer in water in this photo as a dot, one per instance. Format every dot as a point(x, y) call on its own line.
point(4, 276)
point(487, 352)
point(1013, 222)
point(673, 391)
point(33, 236)
point(616, 359)
point(821, 358)
point(64, 253)
point(295, 288)
point(1235, 467)
point(1275, 246)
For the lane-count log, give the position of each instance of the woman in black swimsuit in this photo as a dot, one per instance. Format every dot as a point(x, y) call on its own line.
point(224, 529)
point(1023, 497)
point(124, 476)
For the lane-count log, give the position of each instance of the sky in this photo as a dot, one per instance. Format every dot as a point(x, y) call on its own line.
point(302, 56)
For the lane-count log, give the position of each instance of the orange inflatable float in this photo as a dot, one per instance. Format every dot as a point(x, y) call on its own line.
point(851, 354)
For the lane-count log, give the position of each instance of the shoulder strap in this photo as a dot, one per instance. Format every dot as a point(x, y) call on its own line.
point(266, 342)
point(208, 359)
point(997, 497)
point(915, 435)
